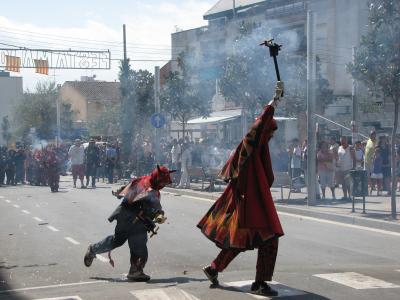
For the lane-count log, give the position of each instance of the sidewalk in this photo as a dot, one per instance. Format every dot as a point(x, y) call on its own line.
point(378, 208)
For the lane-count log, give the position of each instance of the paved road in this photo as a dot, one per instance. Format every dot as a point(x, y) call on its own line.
point(44, 236)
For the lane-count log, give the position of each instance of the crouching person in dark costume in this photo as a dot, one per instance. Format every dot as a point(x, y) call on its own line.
point(137, 214)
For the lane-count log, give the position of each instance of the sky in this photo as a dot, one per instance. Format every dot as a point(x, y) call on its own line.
point(97, 25)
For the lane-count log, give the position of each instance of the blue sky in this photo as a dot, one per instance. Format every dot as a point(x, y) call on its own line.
point(45, 23)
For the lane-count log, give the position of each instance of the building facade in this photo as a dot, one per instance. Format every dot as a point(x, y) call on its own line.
point(339, 27)
point(89, 97)
point(11, 92)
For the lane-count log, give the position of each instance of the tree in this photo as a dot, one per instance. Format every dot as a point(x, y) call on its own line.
point(128, 102)
point(107, 123)
point(182, 96)
point(38, 110)
point(6, 129)
point(143, 82)
point(377, 65)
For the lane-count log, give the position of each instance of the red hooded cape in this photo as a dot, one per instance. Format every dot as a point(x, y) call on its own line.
point(245, 216)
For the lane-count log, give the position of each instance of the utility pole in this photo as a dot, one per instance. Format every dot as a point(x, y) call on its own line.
point(311, 128)
point(354, 125)
point(58, 120)
point(124, 37)
point(157, 108)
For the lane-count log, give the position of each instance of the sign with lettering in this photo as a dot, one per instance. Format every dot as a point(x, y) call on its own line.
point(57, 59)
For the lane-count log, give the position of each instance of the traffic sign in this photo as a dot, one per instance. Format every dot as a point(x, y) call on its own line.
point(157, 120)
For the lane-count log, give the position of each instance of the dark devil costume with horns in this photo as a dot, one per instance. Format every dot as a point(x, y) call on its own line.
point(137, 214)
point(244, 217)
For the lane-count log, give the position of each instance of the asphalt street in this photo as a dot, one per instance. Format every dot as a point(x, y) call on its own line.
point(44, 236)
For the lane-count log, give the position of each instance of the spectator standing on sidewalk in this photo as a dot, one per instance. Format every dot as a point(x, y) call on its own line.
point(359, 156)
point(175, 159)
point(186, 162)
point(77, 155)
point(345, 164)
point(111, 159)
point(92, 159)
point(295, 162)
point(385, 153)
point(377, 171)
point(369, 156)
point(326, 169)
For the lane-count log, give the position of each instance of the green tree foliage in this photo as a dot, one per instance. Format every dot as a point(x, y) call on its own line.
point(38, 110)
point(6, 129)
point(183, 95)
point(377, 63)
point(137, 105)
point(127, 107)
point(143, 82)
point(107, 123)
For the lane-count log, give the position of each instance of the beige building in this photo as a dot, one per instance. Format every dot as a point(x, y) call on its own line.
point(90, 97)
point(11, 92)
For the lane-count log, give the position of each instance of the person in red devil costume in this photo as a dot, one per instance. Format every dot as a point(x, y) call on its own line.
point(244, 216)
point(137, 214)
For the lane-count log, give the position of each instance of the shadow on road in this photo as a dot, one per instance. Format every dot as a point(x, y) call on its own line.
point(173, 280)
point(282, 290)
point(5, 288)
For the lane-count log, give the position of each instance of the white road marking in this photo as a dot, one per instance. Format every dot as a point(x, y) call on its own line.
point(171, 293)
point(102, 258)
point(38, 219)
point(8, 201)
point(1, 197)
point(52, 228)
point(387, 232)
point(393, 233)
point(245, 287)
point(52, 286)
point(62, 298)
point(16, 206)
point(71, 240)
point(25, 212)
point(357, 281)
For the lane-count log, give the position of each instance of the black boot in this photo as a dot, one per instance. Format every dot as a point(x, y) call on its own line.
point(89, 256)
point(211, 274)
point(263, 289)
point(136, 270)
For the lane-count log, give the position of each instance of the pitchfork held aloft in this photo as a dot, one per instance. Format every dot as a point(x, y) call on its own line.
point(274, 49)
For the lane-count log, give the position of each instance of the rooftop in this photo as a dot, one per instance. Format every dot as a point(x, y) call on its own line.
point(97, 90)
point(227, 5)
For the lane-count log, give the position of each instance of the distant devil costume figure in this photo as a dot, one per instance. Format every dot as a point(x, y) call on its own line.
point(137, 214)
point(244, 217)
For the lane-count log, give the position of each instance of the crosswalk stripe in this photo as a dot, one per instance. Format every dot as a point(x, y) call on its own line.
point(25, 212)
point(101, 258)
point(62, 298)
point(71, 240)
point(38, 219)
point(245, 287)
point(171, 293)
point(357, 281)
point(16, 206)
point(8, 201)
point(52, 228)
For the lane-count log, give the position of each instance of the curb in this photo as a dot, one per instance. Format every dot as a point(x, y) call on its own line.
point(308, 212)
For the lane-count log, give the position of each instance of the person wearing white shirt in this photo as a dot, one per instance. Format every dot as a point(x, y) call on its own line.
point(77, 155)
point(345, 164)
point(186, 162)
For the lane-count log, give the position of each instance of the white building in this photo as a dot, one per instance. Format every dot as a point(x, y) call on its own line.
point(11, 92)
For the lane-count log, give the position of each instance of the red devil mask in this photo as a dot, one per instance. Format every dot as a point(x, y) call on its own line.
point(160, 177)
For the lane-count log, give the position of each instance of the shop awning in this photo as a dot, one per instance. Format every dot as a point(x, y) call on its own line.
point(217, 117)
